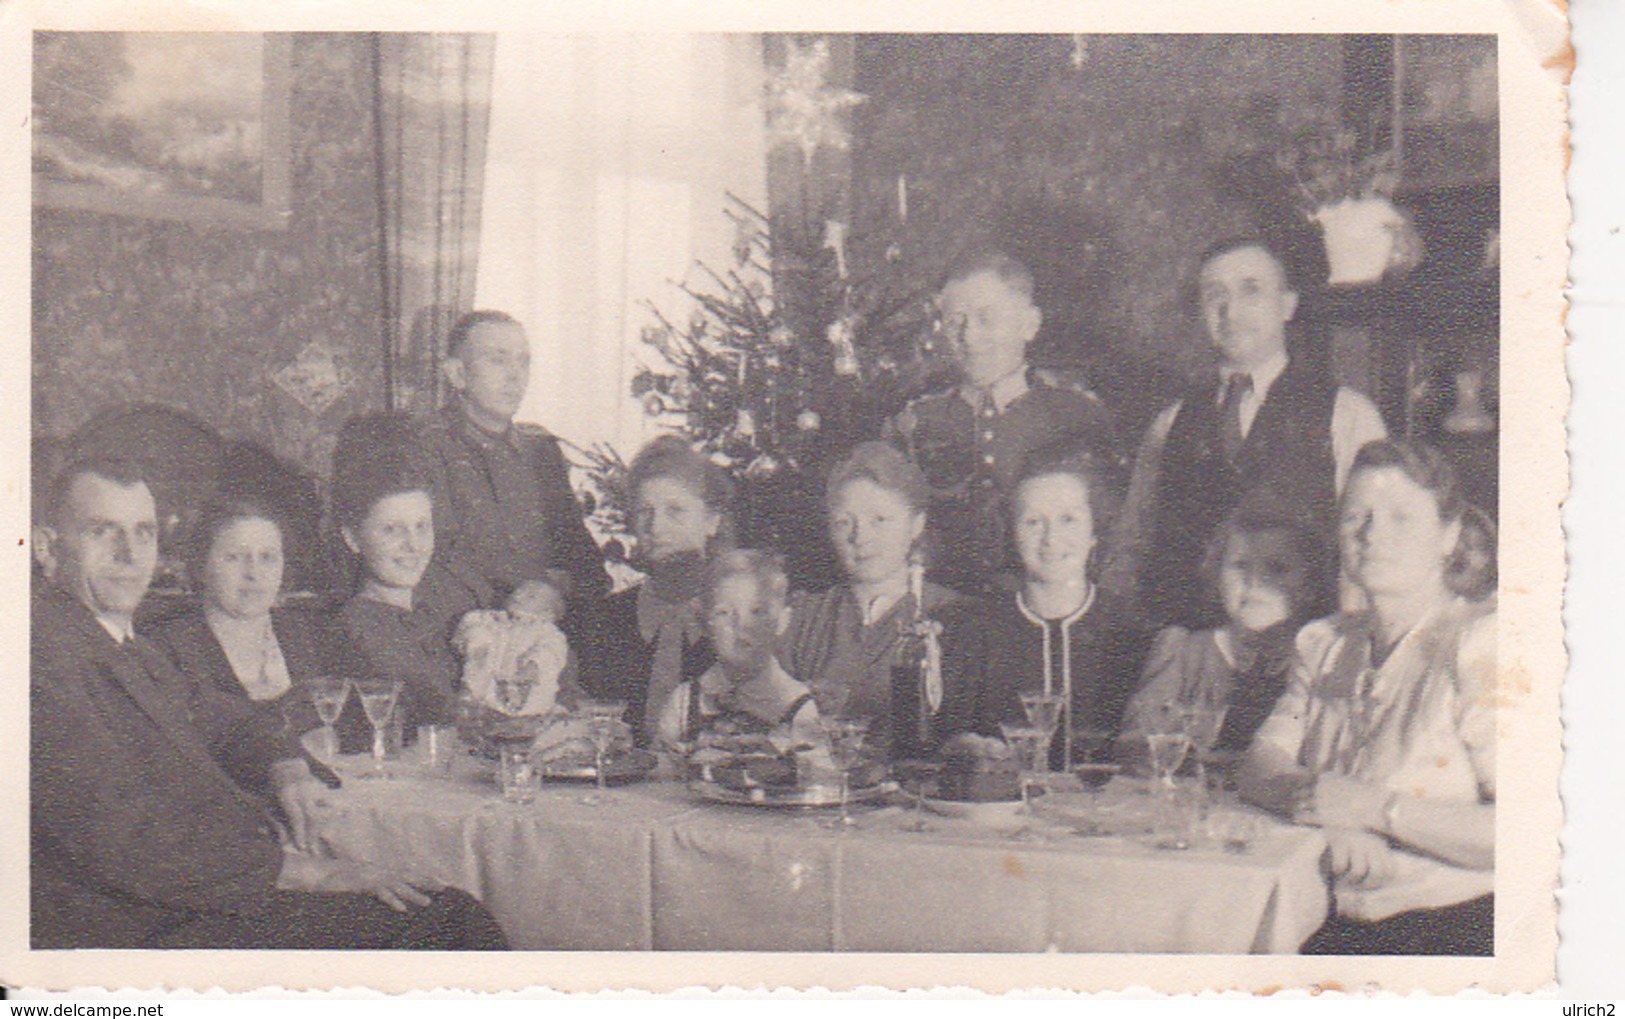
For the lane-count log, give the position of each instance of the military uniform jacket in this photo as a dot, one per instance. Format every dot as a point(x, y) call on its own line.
point(973, 450)
point(505, 508)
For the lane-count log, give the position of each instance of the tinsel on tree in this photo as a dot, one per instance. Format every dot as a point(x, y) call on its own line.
point(790, 358)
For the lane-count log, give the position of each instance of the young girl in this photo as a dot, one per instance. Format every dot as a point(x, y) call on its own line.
point(1259, 566)
point(747, 690)
point(1060, 633)
point(642, 643)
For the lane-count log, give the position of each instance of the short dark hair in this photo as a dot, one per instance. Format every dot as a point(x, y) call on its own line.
point(885, 466)
point(378, 455)
point(119, 470)
point(1471, 568)
point(1098, 478)
point(457, 339)
point(1243, 243)
point(217, 514)
point(1006, 268)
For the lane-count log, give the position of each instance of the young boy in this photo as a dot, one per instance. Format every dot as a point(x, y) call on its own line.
point(975, 440)
point(747, 691)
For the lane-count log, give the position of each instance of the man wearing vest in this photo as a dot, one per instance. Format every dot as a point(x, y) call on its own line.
point(155, 800)
point(1269, 429)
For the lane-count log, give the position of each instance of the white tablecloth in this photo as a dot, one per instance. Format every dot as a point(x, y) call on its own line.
point(652, 868)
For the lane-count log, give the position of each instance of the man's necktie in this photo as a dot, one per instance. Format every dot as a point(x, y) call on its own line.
point(1237, 390)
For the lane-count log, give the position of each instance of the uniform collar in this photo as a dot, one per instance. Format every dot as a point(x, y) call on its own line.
point(478, 436)
point(1004, 392)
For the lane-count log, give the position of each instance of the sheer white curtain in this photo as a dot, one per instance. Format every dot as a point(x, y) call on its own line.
point(608, 160)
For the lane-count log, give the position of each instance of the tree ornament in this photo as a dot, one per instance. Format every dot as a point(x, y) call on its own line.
point(802, 108)
point(653, 405)
point(840, 335)
point(682, 387)
point(808, 420)
point(745, 423)
point(764, 466)
point(781, 336)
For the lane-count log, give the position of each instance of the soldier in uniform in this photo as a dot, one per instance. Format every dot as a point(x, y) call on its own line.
point(974, 441)
point(505, 505)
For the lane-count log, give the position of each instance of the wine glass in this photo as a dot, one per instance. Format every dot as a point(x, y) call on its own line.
point(1167, 751)
point(846, 737)
point(328, 694)
point(1043, 712)
point(603, 727)
point(1202, 722)
point(378, 697)
point(917, 777)
point(1031, 745)
point(1091, 746)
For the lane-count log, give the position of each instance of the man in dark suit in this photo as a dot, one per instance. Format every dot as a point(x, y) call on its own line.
point(505, 506)
point(156, 802)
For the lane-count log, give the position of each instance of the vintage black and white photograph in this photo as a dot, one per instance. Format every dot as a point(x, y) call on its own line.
point(827, 492)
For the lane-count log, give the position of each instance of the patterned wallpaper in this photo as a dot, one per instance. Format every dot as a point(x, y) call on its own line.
point(1090, 158)
point(269, 336)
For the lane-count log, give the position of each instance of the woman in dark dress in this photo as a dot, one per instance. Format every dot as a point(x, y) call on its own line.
point(1061, 632)
point(640, 644)
point(239, 640)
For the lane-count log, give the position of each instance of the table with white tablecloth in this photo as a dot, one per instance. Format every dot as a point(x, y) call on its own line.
point(651, 867)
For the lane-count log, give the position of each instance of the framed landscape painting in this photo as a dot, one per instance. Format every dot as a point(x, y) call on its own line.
point(165, 125)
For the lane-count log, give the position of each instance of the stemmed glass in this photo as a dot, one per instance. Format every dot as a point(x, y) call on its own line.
point(846, 737)
point(1044, 714)
point(328, 694)
point(1031, 745)
point(603, 726)
point(1167, 752)
point(1203, 722)
point(1090, 746)
point(916, 777)
point(378, 697)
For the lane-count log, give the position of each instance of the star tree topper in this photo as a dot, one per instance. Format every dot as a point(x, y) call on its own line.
point(802, 107)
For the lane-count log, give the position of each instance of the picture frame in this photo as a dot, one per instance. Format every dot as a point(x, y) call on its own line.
point(117, 131)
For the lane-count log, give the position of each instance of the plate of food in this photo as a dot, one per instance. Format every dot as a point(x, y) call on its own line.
point(791, 797)
point(979, 781)
point(628, 765)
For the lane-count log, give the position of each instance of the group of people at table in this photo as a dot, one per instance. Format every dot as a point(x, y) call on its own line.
point(1273, 553)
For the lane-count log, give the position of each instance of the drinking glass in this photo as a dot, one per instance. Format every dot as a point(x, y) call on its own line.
point(1090, 747)
point(1044, 714)
point(516, 771)
point(378, 697)
point(1031, 745)
point(328, 694)
point(603, 726)
point(1167, 752)
point(917, 777)
point(846, 737)
point(1203, 722)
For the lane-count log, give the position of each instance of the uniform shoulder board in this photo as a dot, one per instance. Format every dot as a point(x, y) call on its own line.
point(1057, 378)
point(532, 430)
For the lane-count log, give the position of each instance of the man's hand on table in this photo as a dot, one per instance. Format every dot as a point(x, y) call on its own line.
point(1359, 857)
point(400, 890)
point(300, 795)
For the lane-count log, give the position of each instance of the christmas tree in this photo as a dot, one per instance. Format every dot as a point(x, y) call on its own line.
point(789, 360)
